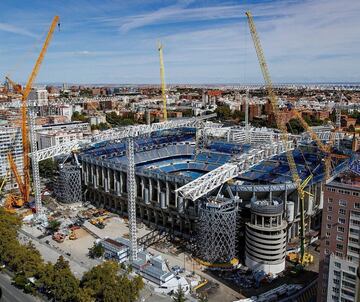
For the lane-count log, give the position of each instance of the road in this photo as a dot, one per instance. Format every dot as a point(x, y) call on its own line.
point(11, 293)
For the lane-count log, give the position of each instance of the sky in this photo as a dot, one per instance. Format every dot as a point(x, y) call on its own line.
point(205, 41)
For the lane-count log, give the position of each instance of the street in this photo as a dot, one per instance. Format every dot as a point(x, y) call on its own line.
point(11, 293)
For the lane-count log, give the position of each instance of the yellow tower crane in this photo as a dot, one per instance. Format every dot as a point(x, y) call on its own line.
point(24, 185)
point(283, 134)
point(162, 77)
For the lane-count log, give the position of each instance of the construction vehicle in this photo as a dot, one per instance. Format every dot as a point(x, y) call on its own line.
point(72, 235)
point(302, 259)
point(58, 237)
point(24, 181)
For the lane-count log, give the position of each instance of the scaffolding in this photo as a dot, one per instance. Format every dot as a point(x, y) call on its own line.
point(68, 189)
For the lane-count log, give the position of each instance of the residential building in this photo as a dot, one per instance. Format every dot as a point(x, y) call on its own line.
point(340, 243)
point(10, 141)
point(52, 138)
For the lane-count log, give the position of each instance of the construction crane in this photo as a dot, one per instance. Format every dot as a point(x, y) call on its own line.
point(162, 77)
point(283, 134)
point(24, 185)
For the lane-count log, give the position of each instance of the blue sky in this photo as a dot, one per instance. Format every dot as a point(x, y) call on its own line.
point(205, 41)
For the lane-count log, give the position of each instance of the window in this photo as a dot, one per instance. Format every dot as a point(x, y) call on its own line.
point(330, 200)
point(342, 211)
point(337, 273)
point(329, 217)
point(327, 234)
point(342, 203)
point(339, 254)
point(327, 242)
point(328, 226)
point(352, 269)
point(327, 252)
point(354, 240)
point(354, 222)
point(356, 194)
point(340, 229)
point(340, 238)
point(341, 220)
point(337, 264)
point(339, 246)
point(330, 208)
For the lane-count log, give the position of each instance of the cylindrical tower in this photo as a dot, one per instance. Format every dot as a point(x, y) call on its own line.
point(68, 188)
point(266, 237)
point(217, 227)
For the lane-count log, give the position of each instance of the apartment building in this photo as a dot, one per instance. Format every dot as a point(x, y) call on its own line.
point(52, 138)
point(340, 240)
point(10, 141)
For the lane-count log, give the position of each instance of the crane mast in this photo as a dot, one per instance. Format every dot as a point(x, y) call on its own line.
point(283, 130)
point(162, 76)
point(25, 190)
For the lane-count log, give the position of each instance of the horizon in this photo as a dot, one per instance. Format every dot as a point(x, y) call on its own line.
point(204, 41)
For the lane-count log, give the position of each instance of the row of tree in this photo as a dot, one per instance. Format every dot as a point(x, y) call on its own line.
point(56, 281)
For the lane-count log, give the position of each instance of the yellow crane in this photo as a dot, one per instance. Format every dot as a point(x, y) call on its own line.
point(24, 185)
point(162, 77)
point(283, 134)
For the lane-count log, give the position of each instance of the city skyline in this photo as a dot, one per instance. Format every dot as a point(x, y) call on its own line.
point(204, 41)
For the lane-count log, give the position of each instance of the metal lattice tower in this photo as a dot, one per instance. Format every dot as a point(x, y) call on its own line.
point(131, 188)
point(200, 139)
point(69, 185)
point(35, 165)
point(338, 120)
point(217, 227)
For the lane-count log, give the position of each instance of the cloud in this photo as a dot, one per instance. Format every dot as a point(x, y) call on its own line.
point(16, 30)
point(180, 12)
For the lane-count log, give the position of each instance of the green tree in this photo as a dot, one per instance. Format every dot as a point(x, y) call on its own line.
point(53, 226)
point(47, 167)
point(108, 285)
point(59, 282)
point(294, 127)
point(85, 295)
point(78, 117)
point(223, 112)
point(179, 295)
point(96, 251)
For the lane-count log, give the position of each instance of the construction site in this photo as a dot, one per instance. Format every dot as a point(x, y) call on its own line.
point(185, 195)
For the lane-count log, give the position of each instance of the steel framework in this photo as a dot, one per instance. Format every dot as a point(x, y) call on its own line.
point(69, 185)
point(215, 178)
point(217, 227)
point(35, 165)
point(131, 187)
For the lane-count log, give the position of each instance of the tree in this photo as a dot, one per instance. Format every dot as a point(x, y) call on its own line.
point(223, 112)
point(96, 251)
point(85, 295)
point(78, 117)
point(294, 127)
point(58, 282)
point(179, 295)
point(47, 168)
point(107, 285)
point(53, 226)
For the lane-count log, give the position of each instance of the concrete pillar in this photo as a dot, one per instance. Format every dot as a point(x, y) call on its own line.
point(121, 182)
point(142, 187)
point(158, 192)
point(106, 179)
point(167, 194)
point(176, 195)
point(150, 189)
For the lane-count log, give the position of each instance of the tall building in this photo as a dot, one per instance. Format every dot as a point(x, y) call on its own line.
point(340, 243)
point(10, 141)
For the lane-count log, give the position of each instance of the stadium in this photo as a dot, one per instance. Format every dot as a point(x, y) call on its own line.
point(171, 164)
